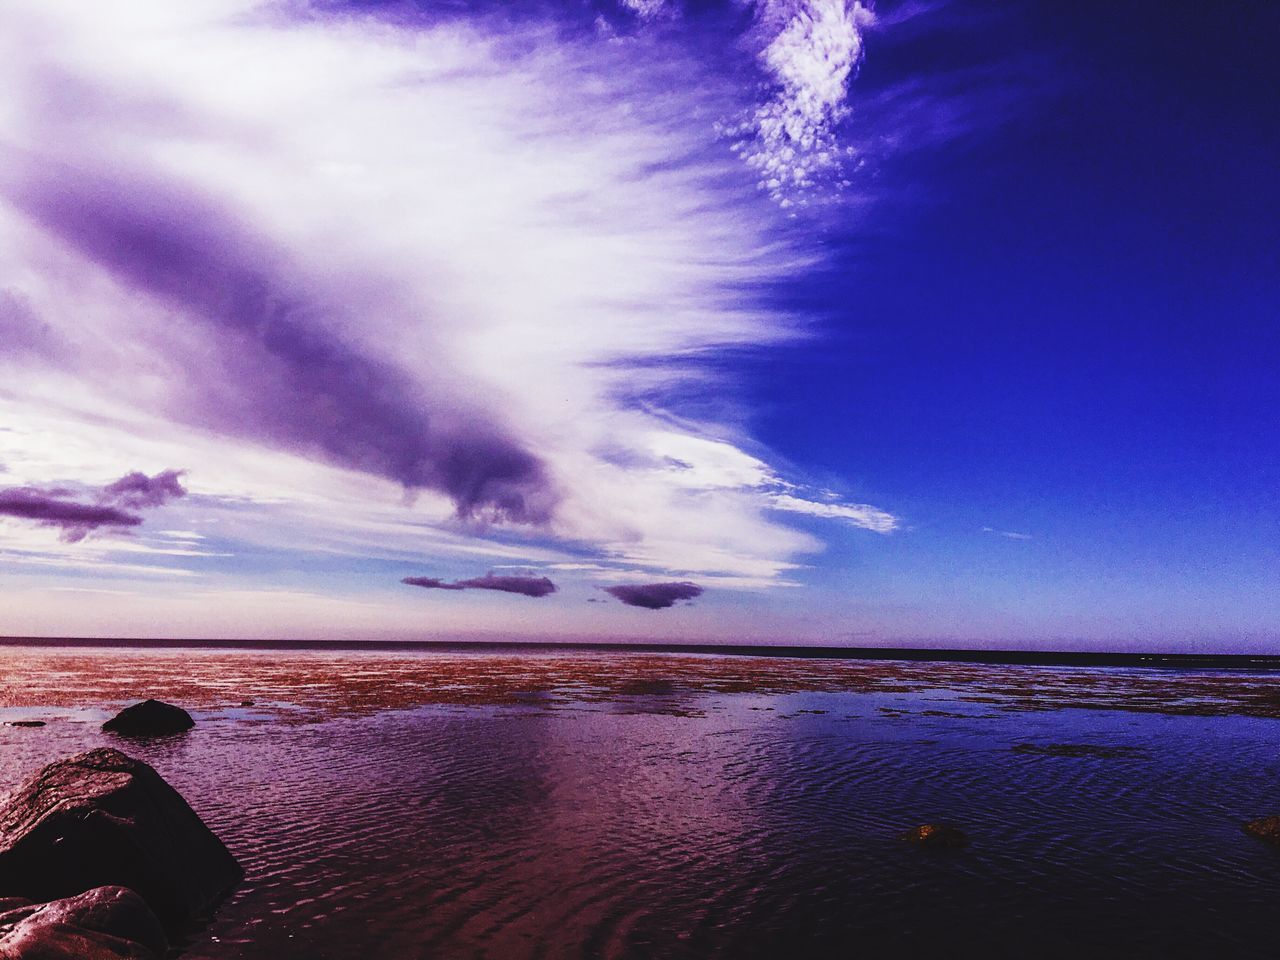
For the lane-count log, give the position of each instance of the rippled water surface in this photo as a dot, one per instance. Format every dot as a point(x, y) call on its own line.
point(620, 805)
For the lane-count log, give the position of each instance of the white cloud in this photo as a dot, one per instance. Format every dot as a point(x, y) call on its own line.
point(859, 514)
point(526, 232)
point(647, 9)
point(810, 50)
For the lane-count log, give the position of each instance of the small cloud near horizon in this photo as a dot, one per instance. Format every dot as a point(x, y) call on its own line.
point(654, 596)
point(525, 586)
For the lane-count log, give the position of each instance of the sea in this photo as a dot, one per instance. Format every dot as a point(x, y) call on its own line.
point(514, 801)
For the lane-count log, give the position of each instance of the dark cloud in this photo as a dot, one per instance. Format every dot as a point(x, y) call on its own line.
point(526, 586)
point(54, 509)
point(654, 596)
point(59, 507)
point(283, 372)
point(529, 586)
point(432, 583)
point(136, 490)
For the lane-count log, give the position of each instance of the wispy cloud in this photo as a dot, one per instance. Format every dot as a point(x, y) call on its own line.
point(102, 564)
point(1007, 534)
point(859, 514)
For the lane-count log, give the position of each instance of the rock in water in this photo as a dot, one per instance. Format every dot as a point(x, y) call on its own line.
point(150, 718)
point(1265, 828)
point(109, 923)
point(937, 835)
point(105, 819)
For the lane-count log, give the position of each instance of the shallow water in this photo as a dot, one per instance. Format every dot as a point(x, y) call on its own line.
point(433, 805)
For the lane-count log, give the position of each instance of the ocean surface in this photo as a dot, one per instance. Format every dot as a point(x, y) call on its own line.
point(582, 803)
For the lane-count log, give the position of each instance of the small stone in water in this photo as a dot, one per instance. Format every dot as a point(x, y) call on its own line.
point(936, 835)
point(1265, 828)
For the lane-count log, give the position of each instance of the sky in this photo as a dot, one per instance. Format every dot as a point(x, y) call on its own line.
point(791, 321)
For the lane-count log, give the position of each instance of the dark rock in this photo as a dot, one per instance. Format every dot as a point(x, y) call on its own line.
point(24, 723)
point(150, 718)
point(104, 819)
point(108, 923)
point(937, 835)
point(1265, 828)
point(246, 703)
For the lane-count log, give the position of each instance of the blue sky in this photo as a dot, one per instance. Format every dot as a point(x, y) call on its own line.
point(1074, 337)
point(927, 323)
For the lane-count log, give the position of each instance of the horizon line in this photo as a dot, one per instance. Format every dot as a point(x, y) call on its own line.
point(1005, 656)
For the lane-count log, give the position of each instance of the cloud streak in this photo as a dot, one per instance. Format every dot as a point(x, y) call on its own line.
point(57, 507)
point(1007, 534)
point(525, 586)
point(858, 514)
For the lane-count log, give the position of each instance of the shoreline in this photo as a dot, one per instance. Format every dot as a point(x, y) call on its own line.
point(333, 681)
point(1004, 657)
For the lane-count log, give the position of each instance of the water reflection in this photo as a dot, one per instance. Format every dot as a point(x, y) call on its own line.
point(665, 817)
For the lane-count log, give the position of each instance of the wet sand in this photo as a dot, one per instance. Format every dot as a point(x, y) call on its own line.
point(308, 685)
